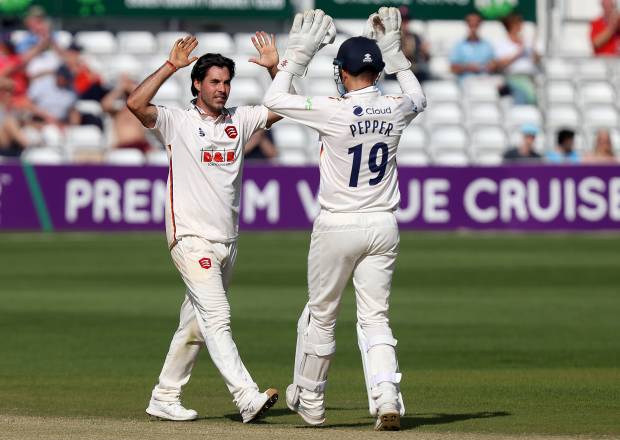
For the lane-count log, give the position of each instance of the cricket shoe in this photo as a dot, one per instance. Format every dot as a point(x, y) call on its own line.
point(173, 411)
point(388, 419)
point(259, 405)
point(312, 410)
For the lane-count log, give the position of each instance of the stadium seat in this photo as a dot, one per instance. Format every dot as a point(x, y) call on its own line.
point(245, 91)
point(89, 106)
point(321, 87)
point(574, 40)
point(441, 91)
point(83, 137)
point(292, 157)
point(414, 138)
point(63, 38)
point(390, 87)
point(42, 156)
point(216, 42)
point(444, 113)
point(412, 158)
point(97, 42)
point(169, 91)
point(450, 158)
point(290, 136)
point(483, 113)
point(440, 67)
point(165, 40)
point(125, 64)
point(559, 69)
point(137, 42)
point(565, 115)
point(448, 137)
point(157, 157)
point(492, 31)
point(560, 92)
point(488, 158)
point(125, 156)
point(480, 89)
point(603, 116)
point(243, 43)
point(489, 138)
point(246, 69)
point(444, 34)
point(331, 50)
point(520, 114)
point(321, 67)
point(581, 10)
point(600, 92)
point(592, 69)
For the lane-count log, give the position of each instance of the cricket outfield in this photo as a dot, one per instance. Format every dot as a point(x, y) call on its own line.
point(500, 336)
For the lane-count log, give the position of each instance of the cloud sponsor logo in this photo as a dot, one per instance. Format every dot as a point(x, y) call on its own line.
point(359, 111)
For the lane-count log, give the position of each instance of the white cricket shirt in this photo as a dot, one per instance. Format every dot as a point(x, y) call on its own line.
point(204, 179)
point(359, 135)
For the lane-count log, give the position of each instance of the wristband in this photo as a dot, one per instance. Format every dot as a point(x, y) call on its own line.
point(169, 63)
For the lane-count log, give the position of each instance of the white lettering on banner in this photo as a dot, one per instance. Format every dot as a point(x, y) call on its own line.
point(472, 191)
point(570, 200)
point(309, 200)
point(589, 192)
point(614, 199)
point(107, 201)
point(552, 211)
point(254, 198)
point(512, 198)
point(143, 200)
point(158, 201)
point(78, 195)
point(135, 202)
point(435, 202)
point(412, 210)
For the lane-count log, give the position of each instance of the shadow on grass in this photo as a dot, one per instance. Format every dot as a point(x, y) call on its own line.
point(417, 420)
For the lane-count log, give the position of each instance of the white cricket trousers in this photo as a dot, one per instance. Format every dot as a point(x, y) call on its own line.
point(206, 268)
point(364, 245)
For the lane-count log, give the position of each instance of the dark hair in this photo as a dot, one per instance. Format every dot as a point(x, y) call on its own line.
point(564, 135)
point(511, 19)
point(205, 62)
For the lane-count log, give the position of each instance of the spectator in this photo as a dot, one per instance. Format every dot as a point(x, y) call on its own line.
point(86, 83)
point(260, 146)
point(39, 28)
point(472, 56)
point(518, 60)
point(12, 140)
point(55, 103)
point(415, 49)
point(128, 130)
point(13, 78)
point(564, 152)
point(605, 32)
point(603, 151)
point(526, 151)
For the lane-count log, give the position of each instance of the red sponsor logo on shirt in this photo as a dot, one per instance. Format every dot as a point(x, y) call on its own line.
point(231, 131)
point(205, 263)
point(219, 157)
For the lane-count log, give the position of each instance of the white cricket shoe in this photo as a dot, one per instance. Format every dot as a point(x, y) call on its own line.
point(259, 405)
point(388, 419)
point(173, 411)
point(311, 410)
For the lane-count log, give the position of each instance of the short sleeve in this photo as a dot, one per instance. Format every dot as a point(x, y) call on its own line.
point(253, 117)
point(455, 55)
point(164, 123)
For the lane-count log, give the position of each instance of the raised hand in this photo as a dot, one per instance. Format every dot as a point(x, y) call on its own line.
point(265, 44)
point(183, 47)
point(384, 26)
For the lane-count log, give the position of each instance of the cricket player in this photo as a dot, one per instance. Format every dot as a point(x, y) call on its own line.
point(356, 231)
point(205, 149)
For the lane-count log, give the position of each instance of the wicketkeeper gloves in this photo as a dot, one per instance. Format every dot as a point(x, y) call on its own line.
point(310, 32)
point(384, 26)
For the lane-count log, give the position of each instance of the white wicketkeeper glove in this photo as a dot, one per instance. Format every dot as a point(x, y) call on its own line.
point(311, 31)
point(384, 27)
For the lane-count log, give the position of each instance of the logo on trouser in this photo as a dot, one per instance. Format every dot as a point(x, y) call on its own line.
point(205, 263)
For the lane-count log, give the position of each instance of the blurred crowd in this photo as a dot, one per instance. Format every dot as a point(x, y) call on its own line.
point(42, 83)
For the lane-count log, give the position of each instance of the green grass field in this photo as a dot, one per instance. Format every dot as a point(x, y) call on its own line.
point(497, 334)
